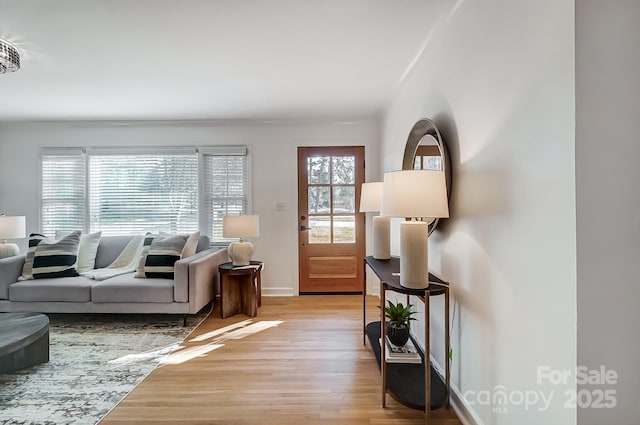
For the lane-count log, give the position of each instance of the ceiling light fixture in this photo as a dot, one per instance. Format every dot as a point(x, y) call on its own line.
point(9, 57)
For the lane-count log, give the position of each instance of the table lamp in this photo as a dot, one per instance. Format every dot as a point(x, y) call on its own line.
point(371, 201)
point(418, 196)
point(240, 226)
point(11, 227)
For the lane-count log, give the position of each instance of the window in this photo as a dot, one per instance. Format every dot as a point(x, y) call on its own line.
point(139, 193)
point(225, 187)
point(63, 190)
point(127, 191)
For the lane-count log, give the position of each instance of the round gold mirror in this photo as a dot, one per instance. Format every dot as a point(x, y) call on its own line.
point(426, 150)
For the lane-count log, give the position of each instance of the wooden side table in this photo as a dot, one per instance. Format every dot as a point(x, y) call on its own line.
point(240, 289)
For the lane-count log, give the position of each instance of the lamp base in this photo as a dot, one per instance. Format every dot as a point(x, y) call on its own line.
point(9, 250)
point(240, 253)
point(414, 254)
point(381, 238)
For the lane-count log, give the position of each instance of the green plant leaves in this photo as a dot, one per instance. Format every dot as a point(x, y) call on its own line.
point(398, 314)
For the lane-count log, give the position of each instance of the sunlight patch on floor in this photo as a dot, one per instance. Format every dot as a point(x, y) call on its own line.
point(182, 354)
point(220, 331)
point(236, 331)
point(142, 357)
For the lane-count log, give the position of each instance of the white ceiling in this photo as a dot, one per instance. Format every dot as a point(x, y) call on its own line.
point(197, 59)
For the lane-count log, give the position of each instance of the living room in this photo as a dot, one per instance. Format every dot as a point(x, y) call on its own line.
point(520, 92)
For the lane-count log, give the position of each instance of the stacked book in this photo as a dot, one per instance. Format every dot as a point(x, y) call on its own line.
point(402, 354)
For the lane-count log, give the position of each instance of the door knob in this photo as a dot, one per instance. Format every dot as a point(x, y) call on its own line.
point(302, 228)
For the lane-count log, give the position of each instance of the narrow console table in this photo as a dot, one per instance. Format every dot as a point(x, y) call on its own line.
point(240, 289)
point(413, 385)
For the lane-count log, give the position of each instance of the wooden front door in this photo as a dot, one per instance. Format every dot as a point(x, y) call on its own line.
point(331, 231)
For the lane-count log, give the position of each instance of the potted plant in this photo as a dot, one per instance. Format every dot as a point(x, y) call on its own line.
point(398, 322)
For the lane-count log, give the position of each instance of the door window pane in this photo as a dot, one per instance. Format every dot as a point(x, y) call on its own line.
point(318, 167)
point(428, 163)
point(320, 229)
point(319, 200)
point(344, 229)
point(343, 170)
point(344, 199)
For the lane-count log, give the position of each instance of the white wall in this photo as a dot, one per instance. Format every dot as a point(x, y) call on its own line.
point(273, 156)
point(608, 200)
point(498, 79)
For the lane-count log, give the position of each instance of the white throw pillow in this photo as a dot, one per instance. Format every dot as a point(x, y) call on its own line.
point(191, 245)
point(88, 250)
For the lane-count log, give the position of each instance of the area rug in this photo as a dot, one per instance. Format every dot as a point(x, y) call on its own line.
point(95, 361)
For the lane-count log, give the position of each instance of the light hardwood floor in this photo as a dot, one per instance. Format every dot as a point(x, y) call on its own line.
point(300, 361)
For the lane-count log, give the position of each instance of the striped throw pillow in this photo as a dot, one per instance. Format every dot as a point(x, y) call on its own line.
point(56, 258)
point(162, 256)
point(27, 269)
point(148, 238)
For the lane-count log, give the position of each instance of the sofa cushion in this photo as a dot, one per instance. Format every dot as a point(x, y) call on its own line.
point(109, 248)
point(126, 289)
point(57, 258)
point(203, 243)
point(68, 289)
point(163, 254)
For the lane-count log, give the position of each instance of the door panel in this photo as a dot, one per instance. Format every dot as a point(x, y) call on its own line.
point(331, 230)
point(332, 267)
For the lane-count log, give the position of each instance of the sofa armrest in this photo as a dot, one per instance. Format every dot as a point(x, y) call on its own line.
point(10, 271)
point(204, 278)
point(196, 278)
point(181, 275)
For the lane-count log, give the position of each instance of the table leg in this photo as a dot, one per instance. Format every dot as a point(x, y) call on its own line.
point(234, 288)
point(248, 297)
point(447, 339)
point(222, 296)
point(427, 362)
point(364, 307)
point(383, 345)
point(259, 272)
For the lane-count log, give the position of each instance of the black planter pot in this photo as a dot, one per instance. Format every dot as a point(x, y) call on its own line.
point(397, 336)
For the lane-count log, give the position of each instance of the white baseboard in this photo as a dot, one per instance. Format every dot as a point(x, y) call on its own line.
point(278, 292)
point(459, 405)
point(464, 412)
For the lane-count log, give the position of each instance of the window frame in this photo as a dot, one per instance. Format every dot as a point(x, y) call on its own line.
point(199, 151)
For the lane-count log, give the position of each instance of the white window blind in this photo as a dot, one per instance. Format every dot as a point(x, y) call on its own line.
point(139, 190)
point(225, 187)
point(139, 193)
point(63, 191)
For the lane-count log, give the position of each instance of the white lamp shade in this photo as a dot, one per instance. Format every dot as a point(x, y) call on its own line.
point(240, 226)
point(13, 227)
point(415, 193)
point(371, 197)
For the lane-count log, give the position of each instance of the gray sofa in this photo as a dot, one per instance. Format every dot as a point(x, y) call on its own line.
point(195, 285)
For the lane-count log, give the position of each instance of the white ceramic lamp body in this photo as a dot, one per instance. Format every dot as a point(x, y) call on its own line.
point(414, 254)
point(415, 194)
point(11, 227)
point(381, 237)
point(371, 201)
point(240, 226)
point(240, 253)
